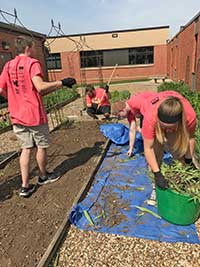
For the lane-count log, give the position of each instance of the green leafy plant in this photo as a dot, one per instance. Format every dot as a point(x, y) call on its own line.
point(59, 96)
point(183, 179)
point(119, 95)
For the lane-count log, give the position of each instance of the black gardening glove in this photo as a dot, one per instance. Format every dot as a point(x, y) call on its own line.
point(160, 180)
point(106, 87)
point(69, 82)
point(190, 163)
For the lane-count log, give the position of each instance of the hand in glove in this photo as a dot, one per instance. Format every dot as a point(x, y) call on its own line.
point(69, 82)
point(160, 180)
point(106, 87)
point(190, 163)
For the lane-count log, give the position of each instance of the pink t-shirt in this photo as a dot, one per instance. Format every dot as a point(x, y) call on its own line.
point(100, 97)
point(150, 117)
point(24, 101)
point(138, 104)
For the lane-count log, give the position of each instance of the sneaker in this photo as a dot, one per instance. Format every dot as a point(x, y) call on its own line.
point(27, 191)
point(48, 178)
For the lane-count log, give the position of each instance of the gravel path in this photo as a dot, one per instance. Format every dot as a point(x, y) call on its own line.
point(92, 249)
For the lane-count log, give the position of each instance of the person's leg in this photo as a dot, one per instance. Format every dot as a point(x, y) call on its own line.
point(91, 112)
point(41, 157)
point(24, 137)
point(25, 165)
point(105, 110)
point(41, 137)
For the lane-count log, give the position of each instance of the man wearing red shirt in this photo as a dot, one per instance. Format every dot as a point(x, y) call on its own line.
point(22, 83)
point(97, 101)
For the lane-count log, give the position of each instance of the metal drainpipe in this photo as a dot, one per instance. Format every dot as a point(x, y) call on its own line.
point(195, 55)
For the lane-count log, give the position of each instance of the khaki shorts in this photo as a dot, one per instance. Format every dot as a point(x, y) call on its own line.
point(30, 136)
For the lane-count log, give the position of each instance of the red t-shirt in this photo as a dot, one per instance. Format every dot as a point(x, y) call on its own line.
point(138, 104)
point(100, 97)
point(150, 117)
point(24, 101)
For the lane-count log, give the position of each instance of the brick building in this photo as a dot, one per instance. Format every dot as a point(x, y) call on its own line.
point(91, 57)
point(8, 33)
point(183, 54)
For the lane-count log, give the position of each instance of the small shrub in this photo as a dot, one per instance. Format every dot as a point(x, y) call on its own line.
point(119, 95)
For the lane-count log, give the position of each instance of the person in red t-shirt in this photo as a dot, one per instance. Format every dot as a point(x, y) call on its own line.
point(133, 108)
point(97, 101)
point(21, 81)
point(169, 121)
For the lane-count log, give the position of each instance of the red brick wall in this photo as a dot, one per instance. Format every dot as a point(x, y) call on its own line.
point(71, 63)
point(181, 61)
point(198, 60)
point(10, 37)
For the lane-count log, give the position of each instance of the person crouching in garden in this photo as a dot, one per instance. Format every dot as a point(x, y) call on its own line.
point(22, 83)
point(133, 109)
point(97, 101)
point(169, 123)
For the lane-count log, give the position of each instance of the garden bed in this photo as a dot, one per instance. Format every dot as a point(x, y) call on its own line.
point(28, 225)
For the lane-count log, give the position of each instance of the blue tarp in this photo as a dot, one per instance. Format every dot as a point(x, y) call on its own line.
point(121, 186)
point(118, 133)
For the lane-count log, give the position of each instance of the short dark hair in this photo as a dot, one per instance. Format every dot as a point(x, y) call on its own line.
point(21, 42)
point(89, 88)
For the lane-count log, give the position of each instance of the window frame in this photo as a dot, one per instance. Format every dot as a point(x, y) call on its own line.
point(2, 63)
point(91, 57)
point(56, 59)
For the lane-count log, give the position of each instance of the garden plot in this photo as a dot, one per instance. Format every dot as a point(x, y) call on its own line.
point(28, 225)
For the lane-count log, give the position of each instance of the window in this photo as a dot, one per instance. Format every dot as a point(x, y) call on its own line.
point(91, 59)
point(4, 57)
point(125, 56)
point(141, 55)
point(53, 61)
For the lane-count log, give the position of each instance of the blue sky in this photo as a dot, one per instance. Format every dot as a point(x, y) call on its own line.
point(79, 16)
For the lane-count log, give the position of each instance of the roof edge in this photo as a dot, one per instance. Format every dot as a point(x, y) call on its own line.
point(114, 31)
point(185, 26)
point(19, 29)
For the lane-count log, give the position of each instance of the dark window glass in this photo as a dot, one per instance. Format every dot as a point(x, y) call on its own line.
point(5, 57)
point(91, 59)
point(126, 56)
point(53, 61)
point(141, 55)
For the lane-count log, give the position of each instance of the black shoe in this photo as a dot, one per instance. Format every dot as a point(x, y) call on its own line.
point(27, 191)
point(48, 178)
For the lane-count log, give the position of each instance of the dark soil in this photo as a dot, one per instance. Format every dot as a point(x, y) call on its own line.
point(28, 224)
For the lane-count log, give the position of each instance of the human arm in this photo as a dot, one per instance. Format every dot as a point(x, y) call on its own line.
point(109, 95)
point(3, 82)
point(150, 154)
point(152, 161)
point(132, 133)
point(45, 88)
point(88, 101)
point(3, 92)
point(190, 151)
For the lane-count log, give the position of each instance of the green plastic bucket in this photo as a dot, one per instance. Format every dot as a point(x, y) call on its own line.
point(177, 208)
